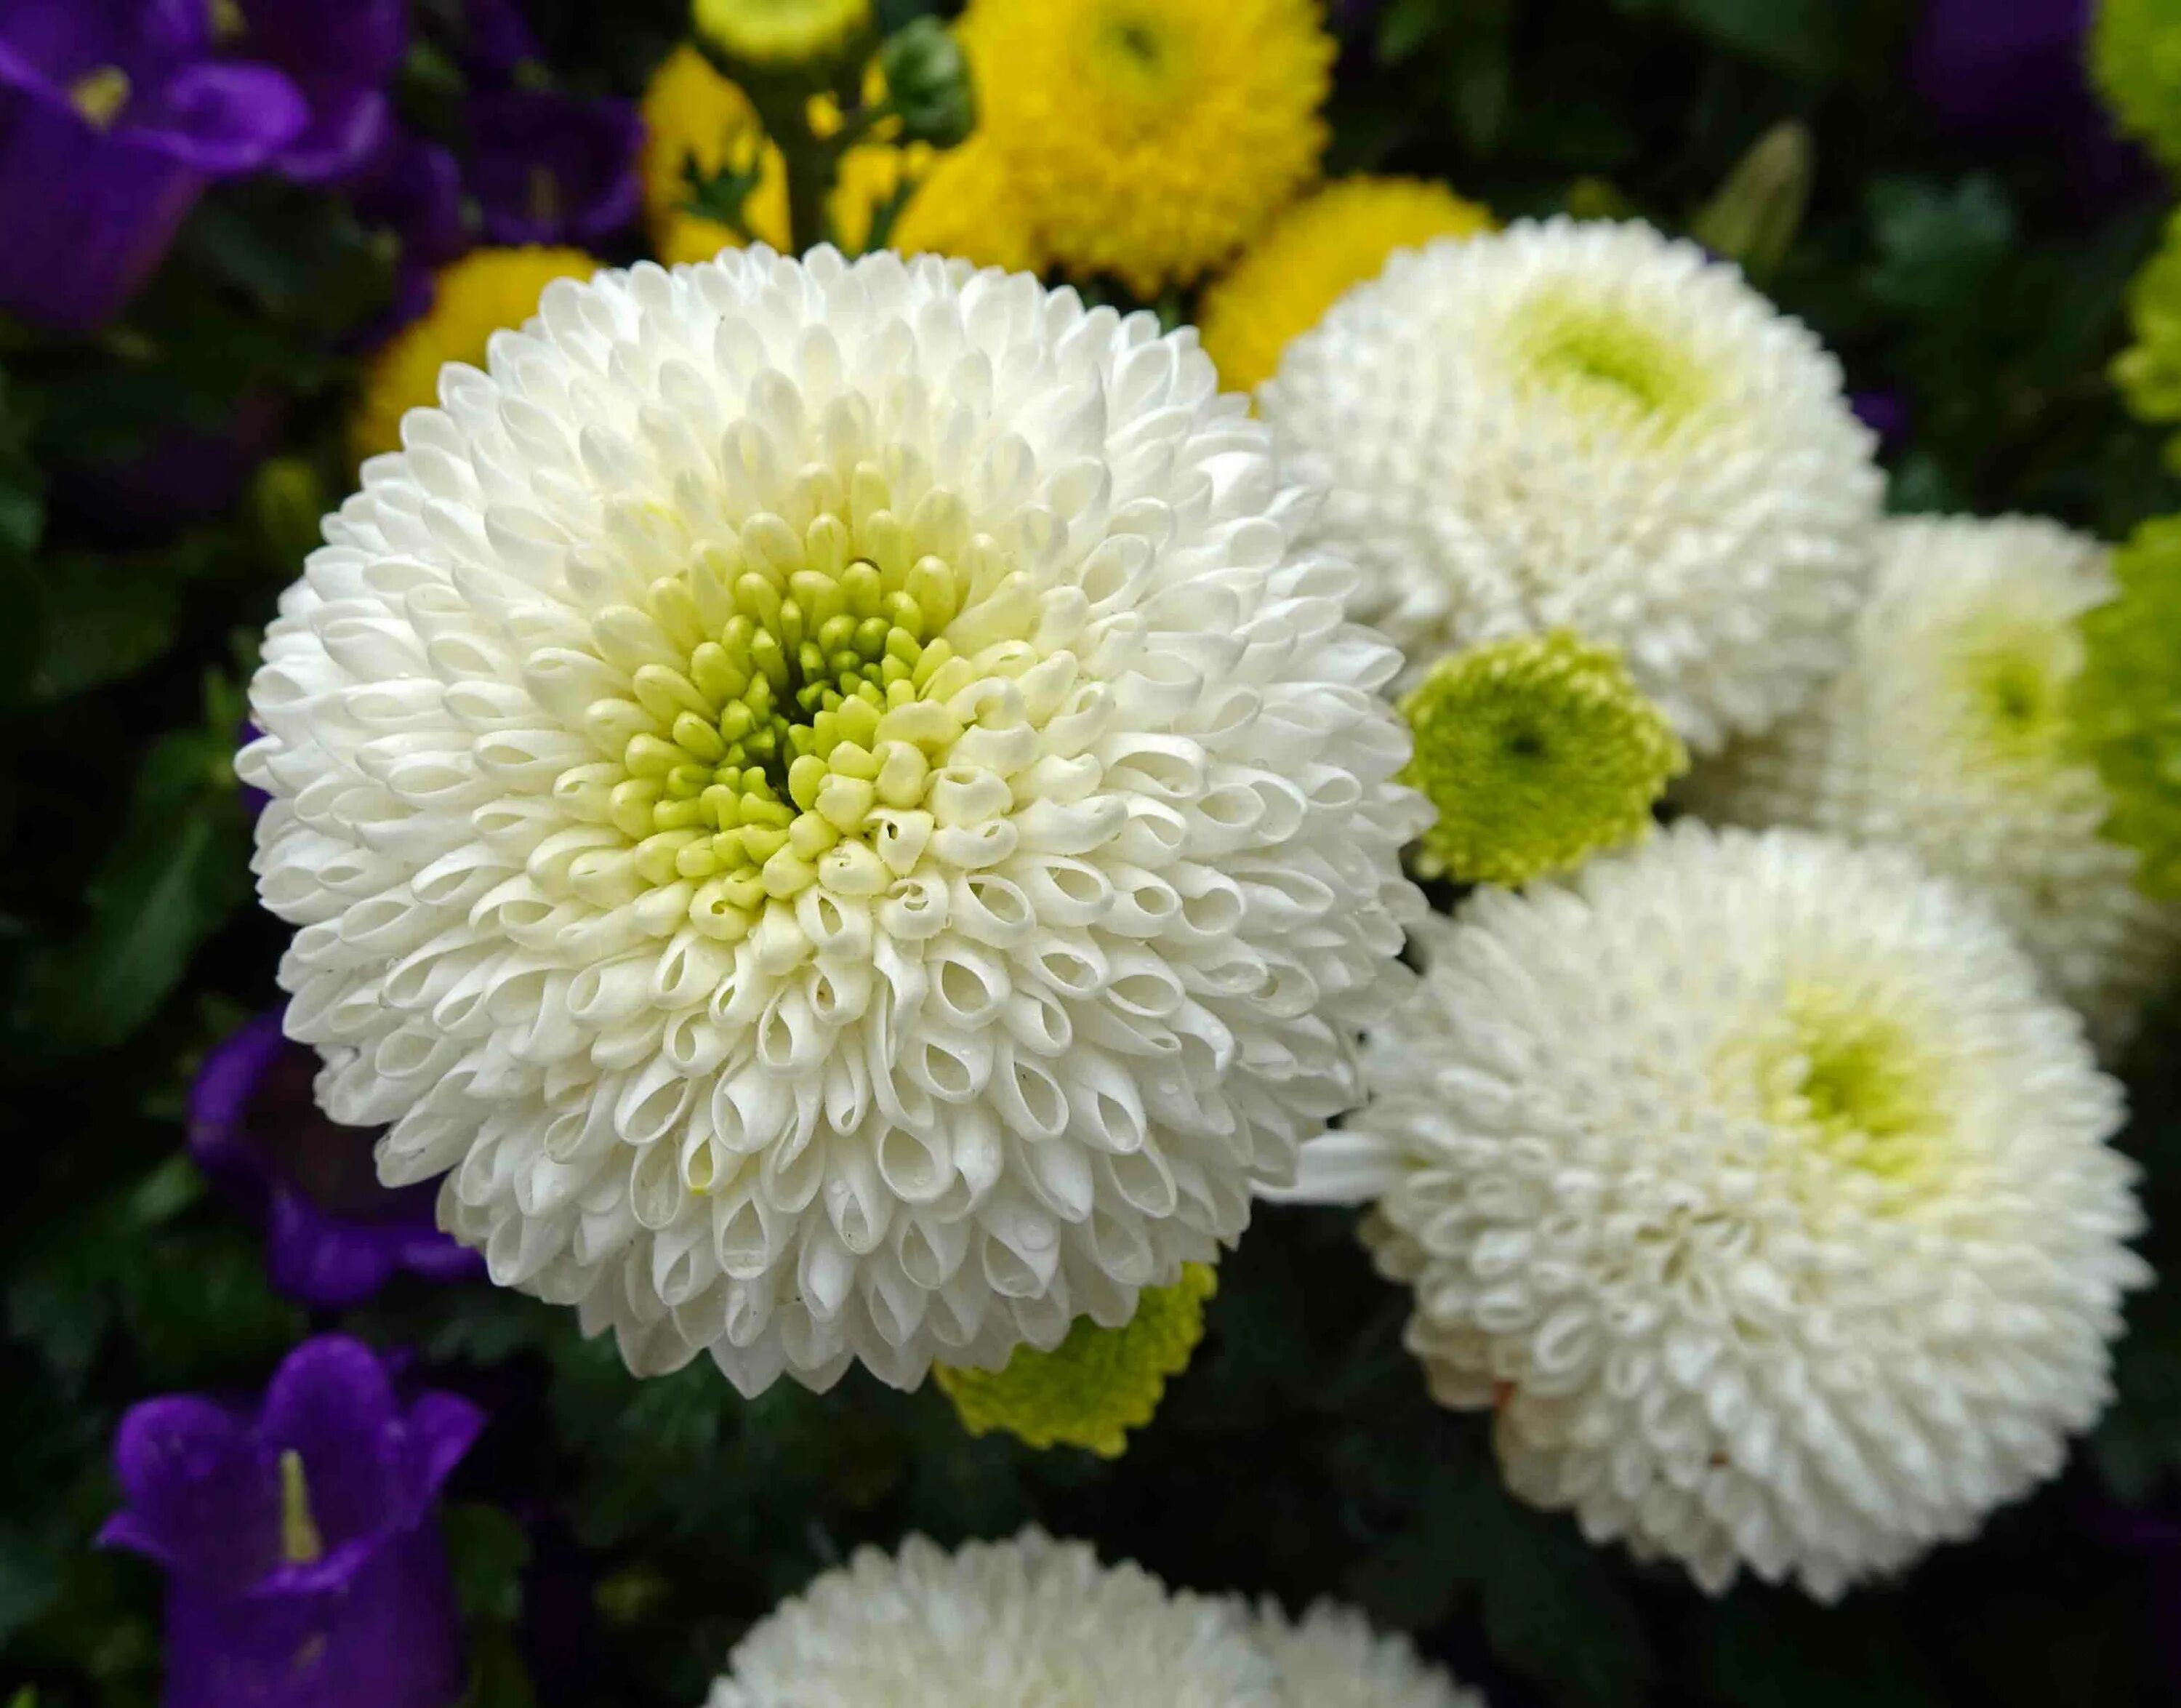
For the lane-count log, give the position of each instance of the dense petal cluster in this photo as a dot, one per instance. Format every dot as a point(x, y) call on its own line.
point(1590, 427)
point(1757, 1184)
point(1317, 249)
point(828, 795)
point(488, 291)
point(1331, 1658)
point(2135, 58)
point(997, 1625)
point(2126, 702)
point(1152, 137)
point(1535, 752)
point(1951, 733)
point(1103, 1380)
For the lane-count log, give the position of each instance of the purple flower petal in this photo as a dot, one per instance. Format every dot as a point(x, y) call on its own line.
point(331, 1402)
point(354, 44)
point(497, 38)
point(389, 1637)
point(551, 168)
point(203, 1499)
point(220, 119)
point(347, 130)
point(88, 216)
point(417, 190)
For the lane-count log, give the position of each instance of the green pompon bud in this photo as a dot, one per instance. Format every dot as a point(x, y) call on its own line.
point(1538, 752)
point(928, 83)
point(781, 34)
point(2135, 60)
point(2149, 371)
point(1096, 1385)
point(2126, 709)
point(1753, 218)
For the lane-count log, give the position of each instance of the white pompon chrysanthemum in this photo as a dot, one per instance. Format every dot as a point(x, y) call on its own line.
point(828, 796)
point(1758, 1185)
point(1590, 427)
point(997, 1625)
point(1331, 1658)
point(1949, 732)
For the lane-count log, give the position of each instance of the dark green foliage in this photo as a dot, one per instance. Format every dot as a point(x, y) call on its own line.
point(611, 1539)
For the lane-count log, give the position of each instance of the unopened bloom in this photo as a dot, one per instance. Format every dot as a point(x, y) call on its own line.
point(1952, 732)
point(1757, 1184)
point(1101, 1382)
point(1153, 137)
point(828, 797)
point(300, 1537)
point(1313, 252)
point(1535, 752)
point(997, 1625)
point(1590, 427)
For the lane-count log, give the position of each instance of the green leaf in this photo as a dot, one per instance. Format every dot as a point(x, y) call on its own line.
point(488, 1550)
point(200, 1310)
point(1406, 24)
point(1808, 39)
point(180, 868)
point(99, 619)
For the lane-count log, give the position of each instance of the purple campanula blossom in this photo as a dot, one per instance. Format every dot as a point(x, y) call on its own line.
point(304, 1566)
point(547, 167)
point(2018, 69)
point(114, 117)
point(333, 1235)
point(417, 194)
point(341, 54)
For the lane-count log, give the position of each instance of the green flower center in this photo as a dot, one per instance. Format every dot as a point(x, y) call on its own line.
point(1851, 1079)
point(1600, 361)
point(2013, 676)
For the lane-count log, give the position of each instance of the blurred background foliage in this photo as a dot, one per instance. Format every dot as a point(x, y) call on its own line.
point(612, 1538)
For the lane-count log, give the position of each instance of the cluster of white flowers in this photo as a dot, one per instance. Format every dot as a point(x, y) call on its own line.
point(830, 797)
point(844, 808)
point(1034, 1623)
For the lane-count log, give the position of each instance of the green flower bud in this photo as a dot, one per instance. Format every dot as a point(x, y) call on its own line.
point(928, 85)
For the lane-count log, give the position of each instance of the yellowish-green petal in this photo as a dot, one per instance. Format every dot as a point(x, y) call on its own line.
point(1096, 1385)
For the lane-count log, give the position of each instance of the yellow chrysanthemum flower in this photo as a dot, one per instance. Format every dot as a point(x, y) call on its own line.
point(966, 206)
point(692, 113)
point(1096, 1385)
point(1153, 137)
point(963, 204)
point(1309, 256)
point(2135, 60)
point(485, 291)
point(781, 32)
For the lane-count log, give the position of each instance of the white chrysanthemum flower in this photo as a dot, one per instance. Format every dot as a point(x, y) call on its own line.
point(1026, 1623)
point(1331, 1658)
point(1757, 1182)
point(1950, 733)
point(1590, 427)
point(828, 795)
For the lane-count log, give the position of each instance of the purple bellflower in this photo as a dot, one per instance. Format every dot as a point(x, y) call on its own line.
point(547, 167)
point(304, 1566)
point(341, 54)
point(114, 115)
point(333, 1235)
